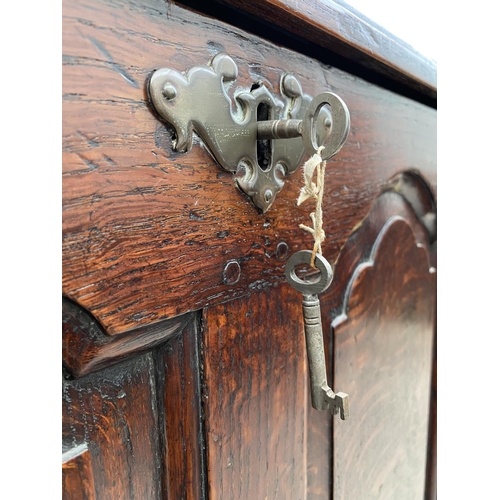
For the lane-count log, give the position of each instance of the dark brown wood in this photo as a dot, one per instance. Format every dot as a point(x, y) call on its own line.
point(416, 192)
point(319, 446)
point(405, 195)
point(147, 411)
point(77, 477)
point(341, 29)
point(320, 426)
point(256, 397)
point(160, 401)
point(383, 360)
point(179, 393)
point(431, 473)
point(147, 232)
point(86, 348)
point(114, 412)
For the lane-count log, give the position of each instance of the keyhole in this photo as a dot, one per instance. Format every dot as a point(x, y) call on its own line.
point(264, 153)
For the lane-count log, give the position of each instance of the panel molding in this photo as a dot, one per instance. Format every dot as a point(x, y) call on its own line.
point(414, 203)
point(87, 348)
point(383, 342)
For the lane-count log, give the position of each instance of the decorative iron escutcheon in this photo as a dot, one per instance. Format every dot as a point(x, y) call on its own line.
point(258, 137)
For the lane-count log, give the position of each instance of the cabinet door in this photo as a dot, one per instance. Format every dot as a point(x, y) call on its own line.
point(382, 355)
point(132, 410)
point(263, 437)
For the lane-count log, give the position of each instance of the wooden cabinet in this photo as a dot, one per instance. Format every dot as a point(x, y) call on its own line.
point(184, 365)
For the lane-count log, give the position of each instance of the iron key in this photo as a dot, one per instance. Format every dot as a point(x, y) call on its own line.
point(323, 397)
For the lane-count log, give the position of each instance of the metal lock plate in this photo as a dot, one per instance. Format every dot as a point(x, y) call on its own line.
point(242, 135)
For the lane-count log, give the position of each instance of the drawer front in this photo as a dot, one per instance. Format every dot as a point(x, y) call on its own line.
point(148, 231)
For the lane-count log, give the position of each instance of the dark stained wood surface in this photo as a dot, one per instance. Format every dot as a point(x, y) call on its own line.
point(412, 203)
point(422, 200)
point(181, 421)
point(219, 406)
point(115, 413)
point(319, 445)
point(147, 232)
point(341, 29)
point(77, 477)
point(86, 348)
point(142, 421)
point(255, 397)
point(431, 473)
point(383, 359)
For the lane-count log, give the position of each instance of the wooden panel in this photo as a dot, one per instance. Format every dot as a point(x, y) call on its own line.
point(431, 472)
point(77, 477)
point(341, 29)
point(147, 232)
point(114, 412)
point(256, 397)
point(383, 360)
point(319, 444)
point(408, 198)
point(179, 396)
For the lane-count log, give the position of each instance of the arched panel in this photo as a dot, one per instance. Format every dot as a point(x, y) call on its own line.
point(375, 274)
point(383, 359)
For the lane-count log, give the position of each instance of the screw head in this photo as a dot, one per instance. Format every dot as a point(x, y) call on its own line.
point(169, 91)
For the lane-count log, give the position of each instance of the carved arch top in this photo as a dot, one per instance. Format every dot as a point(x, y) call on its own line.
point(381, 310)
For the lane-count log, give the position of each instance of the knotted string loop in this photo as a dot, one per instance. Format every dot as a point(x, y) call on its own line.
point(315, 191)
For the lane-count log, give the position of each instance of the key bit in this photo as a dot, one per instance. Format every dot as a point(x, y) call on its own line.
point(323, 397)
point(338, 401)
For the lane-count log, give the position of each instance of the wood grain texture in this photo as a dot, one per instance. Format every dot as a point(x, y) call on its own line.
point(406, 198)
point(383, 360)
point(86, 348)
point(181, 421)
point(147, 232)
point(77, 476)
point(115, 412)
point(341, 29)
point(255, 397)
point(431, 473)
point(320, 425)
point(142, 420)
point(320, 442)
point(421, 199)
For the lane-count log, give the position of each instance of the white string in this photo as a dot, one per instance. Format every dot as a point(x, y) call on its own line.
point(315, 191)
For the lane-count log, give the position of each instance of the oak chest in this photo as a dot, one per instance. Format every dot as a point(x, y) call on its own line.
point(185, 371)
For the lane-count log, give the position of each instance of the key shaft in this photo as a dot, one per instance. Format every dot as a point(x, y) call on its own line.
point(315, 350)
